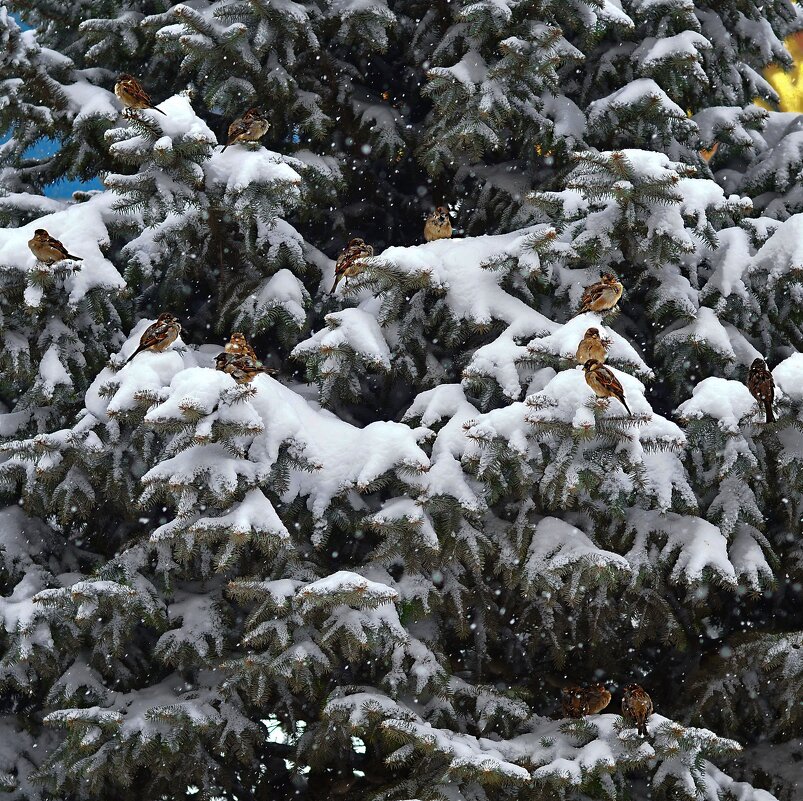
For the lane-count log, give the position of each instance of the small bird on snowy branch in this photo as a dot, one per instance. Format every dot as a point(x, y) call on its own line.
point(48, 249)
point(251, 127)
point(158, 336)
point(130, 93)
point(349, 262)
point(604, 383)
point(602, 295)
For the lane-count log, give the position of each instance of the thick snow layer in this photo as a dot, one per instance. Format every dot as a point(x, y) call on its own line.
point(473, 293)
point(342, 456)
point(564, 341)
point(82, 227)
point(349, 329)
point(556, 547)
point(550, 751)
point(728, 402)
point(446, 475)
point(706, 329)
point(788, 377)
point(692, 544)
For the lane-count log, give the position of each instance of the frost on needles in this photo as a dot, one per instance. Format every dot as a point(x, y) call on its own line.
point(370, 574)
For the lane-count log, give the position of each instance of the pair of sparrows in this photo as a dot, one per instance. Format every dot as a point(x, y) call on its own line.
point(251, 127)
point(577, 702)
point(591, 353)
point(48, 249)
point(438, 225)
point(239, 360)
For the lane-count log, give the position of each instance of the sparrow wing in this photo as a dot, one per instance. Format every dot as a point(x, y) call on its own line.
point(237, 128)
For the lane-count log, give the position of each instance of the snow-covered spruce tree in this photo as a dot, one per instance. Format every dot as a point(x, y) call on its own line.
point(375, 589)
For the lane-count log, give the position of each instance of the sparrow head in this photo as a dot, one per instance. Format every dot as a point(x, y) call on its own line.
point(608, 278)
point(758, 364)
point(166, 317)
point(255, 114)
point(442, 214)
point(237, 336)
point(591, 364)
point(125, 78)
point(593, 332)
point(356, 242)
point(632, 688)
point(40, 233)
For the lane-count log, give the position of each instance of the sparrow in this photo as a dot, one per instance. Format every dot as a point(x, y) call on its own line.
point(241, 367)
point(762, 386)
point(130, 93)
point(349, 261)
point(592, 346)
point(601, 296)
point(438, 225)
point(251, 127)
point(573, 702)
point(48, 249)
point(580, 701)
point(604, 383)
point(597, 697)
point(158, 336)
point(637, 706)
point(238, 346)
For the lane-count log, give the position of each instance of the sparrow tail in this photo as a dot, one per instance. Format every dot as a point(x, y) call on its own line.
point(224, 147)
point(159, 110)
point(334, 286)
point(138, 350)
point(74, 258)
point(642, 729)
point(768, 409)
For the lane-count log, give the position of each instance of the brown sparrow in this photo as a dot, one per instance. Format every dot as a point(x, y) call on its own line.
point(348, 263)
point(604, 383)
point(601, 296)
point(592, 346)
point(597, 697)
point(251, 127)
point(48, 249)
point(637, 706)
point(241, 367)
point(438, 225)
point(573, 702)
point(238, 345)
point(130, 93)
point(762, 386)
point(158, 336)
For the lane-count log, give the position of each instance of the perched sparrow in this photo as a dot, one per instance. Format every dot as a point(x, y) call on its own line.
point(602, 296)
point(592, 346)
point(637, 706)
point(158, 336)
point(241, 367)
point(349, 261)
point(762, 386)
point(48, 249)
point(580, 701)
point(130, 93)
point(604, 383)
point(573, 702)
point(238, 346)
point(597, 697)
point(438, 225)
point(251, 127)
